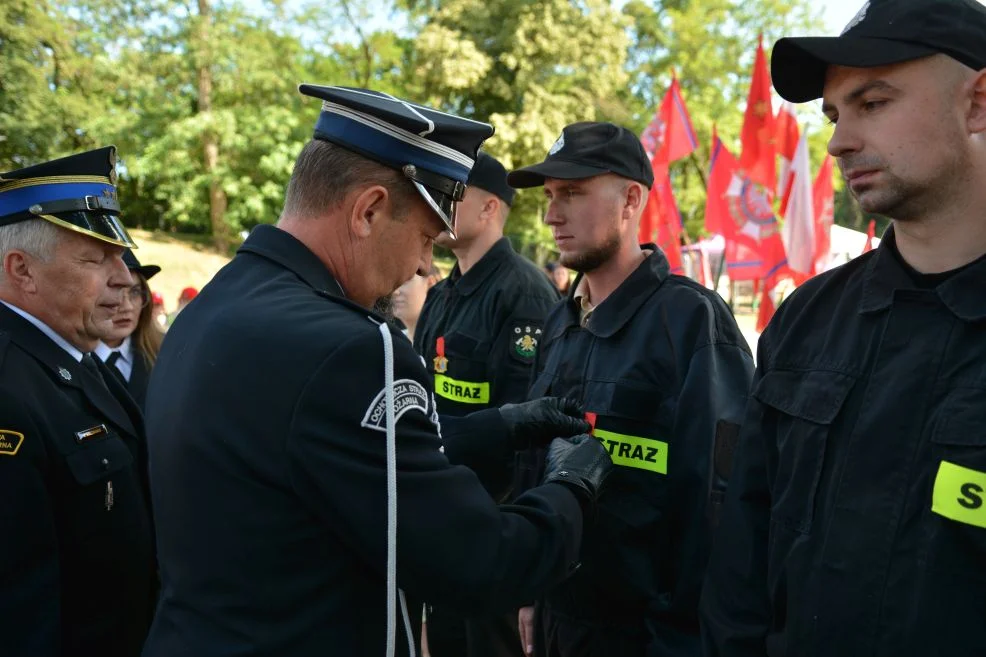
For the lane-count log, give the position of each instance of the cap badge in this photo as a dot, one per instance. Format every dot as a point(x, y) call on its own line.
point(558, 145)
point(860, 15)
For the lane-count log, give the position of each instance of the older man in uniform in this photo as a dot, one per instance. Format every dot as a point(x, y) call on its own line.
point(855, 523)
point(76, 566)
point(297, 467)
point(478, 332)
point(663, 372)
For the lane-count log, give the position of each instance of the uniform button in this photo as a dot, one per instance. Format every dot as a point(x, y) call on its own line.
point(106, 463)
point(563, 473)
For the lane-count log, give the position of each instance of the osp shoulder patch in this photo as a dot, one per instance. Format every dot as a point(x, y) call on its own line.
point(408, 395)
point(525, 338)
point(10, 442)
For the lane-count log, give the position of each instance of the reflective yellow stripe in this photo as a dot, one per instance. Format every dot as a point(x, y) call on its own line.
point(634, 451)
point(465, 392)
point(960, 494)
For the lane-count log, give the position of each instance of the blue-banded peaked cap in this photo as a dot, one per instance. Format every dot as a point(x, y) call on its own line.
point(435, 150)
point(77, 193)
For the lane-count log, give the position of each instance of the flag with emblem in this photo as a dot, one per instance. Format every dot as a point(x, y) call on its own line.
point(823, 203)
point(757, 136)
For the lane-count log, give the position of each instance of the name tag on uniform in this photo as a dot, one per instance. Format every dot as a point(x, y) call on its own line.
point(960, 494)
point(465, 392)
point(91, 432)
point(634, 451)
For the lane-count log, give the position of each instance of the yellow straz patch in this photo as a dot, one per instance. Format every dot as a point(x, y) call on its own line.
point(960, 494)
point(634, 451)
point(10, 442)
point(465, 392)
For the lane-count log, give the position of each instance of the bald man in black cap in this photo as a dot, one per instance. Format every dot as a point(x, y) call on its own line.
point(478, 333)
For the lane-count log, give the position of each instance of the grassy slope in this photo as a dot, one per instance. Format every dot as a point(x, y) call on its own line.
point(184, 261)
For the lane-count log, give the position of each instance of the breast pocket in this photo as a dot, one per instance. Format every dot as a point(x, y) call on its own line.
point(463, 378)
point(801, 406)
point(98, 459)
point(958, 497)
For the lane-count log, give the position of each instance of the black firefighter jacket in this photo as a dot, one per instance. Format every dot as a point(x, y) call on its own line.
point(855, 523)
point(665, 373)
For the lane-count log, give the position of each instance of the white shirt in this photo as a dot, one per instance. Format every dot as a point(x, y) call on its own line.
point(47, 330)
point(124, 363)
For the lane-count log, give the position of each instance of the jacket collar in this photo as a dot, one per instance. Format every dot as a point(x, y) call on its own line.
point(66, 371)
point(964, 293)
point(613, 314)
point(286, 250)
point(472, 280)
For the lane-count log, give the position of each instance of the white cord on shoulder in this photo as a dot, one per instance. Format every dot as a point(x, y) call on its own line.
point(392, 590)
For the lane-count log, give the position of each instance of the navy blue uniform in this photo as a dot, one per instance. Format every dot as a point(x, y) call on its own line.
point(268, 476)
point(490, 320)
point(855, 522)
point(664, 370)
point(77, 573)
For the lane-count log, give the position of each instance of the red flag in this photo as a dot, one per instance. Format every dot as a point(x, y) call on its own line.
point(663, 222)
point(670, 136)
point(870, 234)
point(799, 221)
point(722, 166)
point(757, 136)
point(823, 202)
point(786, 136)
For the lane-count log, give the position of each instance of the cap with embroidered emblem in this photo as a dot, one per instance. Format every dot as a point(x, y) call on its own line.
point(882, 33)
point(434, 150)
point(77, 192)
point(586, 150)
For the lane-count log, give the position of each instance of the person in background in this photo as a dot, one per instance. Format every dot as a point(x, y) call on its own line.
point(158, 314)
point(132, 340)
point(184, 299)
point(559, 276)
point(409, 299)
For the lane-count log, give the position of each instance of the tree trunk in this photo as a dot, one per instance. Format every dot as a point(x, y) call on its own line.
point(210, 142)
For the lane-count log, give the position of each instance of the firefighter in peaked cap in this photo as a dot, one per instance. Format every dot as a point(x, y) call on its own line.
point(306, 477)
point(77, 562)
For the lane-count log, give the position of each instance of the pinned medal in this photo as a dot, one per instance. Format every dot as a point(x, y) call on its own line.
point(440, 361)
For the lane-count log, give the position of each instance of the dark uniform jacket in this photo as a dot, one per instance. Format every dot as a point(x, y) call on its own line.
point(76, 549)
point(491, 320)
point(140, 374)
point(855, 521)
point(268, 464)
point(665, 372)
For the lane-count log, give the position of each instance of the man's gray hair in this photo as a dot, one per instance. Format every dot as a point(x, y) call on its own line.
point(34, 236)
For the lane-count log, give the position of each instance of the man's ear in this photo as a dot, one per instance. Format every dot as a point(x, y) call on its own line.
point(370, 206)
point(976, 121)
point(635, 197)
point(19, 271)
point(491, 209)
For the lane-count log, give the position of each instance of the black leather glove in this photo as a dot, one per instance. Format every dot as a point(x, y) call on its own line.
point(536, 423)
point(581, 463)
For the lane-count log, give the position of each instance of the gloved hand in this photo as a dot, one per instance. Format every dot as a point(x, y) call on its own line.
point(581, 463)
point(535, 423)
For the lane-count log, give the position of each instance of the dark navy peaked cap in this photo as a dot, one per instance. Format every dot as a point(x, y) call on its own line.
point(77, 192)
point(435, 150)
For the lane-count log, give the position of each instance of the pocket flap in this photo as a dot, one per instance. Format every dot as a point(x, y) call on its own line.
point(816, 396)
point(962, 419)
point(95, 461)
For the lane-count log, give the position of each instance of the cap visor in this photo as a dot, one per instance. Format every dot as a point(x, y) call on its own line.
point(443, 205)
point(102, 226)
point(798, 65)
point(147, 270)
point(534, 175)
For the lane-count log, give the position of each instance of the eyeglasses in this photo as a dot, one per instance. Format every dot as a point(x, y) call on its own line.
point(138, 296)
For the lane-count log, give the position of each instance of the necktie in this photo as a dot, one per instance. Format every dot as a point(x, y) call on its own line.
point(111, 363)
point(114, 356)
point(89, 364)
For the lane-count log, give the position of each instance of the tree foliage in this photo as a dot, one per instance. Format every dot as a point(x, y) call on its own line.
point(80, 74)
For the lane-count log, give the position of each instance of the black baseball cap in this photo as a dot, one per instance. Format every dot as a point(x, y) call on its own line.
point(586, 150)
point(883, 32)
point(489, 174)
